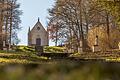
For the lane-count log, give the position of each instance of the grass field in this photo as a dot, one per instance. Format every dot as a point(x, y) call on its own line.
point(27, 55)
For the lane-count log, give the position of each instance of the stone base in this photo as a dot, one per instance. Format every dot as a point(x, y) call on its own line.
point(71, 51)
point(10, 49)
point(95, 48)
point(4, 48)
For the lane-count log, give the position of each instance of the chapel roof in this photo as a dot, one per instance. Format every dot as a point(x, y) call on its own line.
point(37, 23)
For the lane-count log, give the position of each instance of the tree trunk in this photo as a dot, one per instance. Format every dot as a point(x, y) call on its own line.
point(108, 29)
point(6, 30)
point(56, 41)
point(1, 26)
point(81, 28)
point(11, 13)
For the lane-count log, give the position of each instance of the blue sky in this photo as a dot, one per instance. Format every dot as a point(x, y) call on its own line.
point(32, 9)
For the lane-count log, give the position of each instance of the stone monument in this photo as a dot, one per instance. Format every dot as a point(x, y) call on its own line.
point(119, 45)
point(9, 47)
point(95, 47)
point(80, 49)
point(4, 46)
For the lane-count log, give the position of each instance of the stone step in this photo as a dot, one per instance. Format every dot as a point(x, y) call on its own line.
point(55, 55)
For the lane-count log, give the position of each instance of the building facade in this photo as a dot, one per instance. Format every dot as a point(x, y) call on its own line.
point(38, 36)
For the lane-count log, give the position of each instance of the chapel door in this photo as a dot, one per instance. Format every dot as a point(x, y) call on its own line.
point(38, 42)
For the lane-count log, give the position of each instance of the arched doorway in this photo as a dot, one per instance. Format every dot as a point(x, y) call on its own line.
point(38, 41)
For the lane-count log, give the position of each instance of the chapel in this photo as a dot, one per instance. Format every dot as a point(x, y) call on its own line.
point(38, 35)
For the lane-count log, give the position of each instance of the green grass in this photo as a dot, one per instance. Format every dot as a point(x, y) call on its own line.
point(27, 55)
point(25, 49)
point(48, 49)
point(23, 61)
point(21, 54)
point(25, 58)
point(53, 49)
point(108, 56)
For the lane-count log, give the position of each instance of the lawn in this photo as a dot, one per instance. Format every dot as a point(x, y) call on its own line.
point(107, 56)
point(27, 55)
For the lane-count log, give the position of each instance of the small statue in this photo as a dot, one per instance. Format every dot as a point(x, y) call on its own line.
point(95, 46)
point(96, 40)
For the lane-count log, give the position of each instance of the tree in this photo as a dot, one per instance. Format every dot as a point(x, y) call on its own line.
point(113, 6)
point(77, 17)
point(10, 20)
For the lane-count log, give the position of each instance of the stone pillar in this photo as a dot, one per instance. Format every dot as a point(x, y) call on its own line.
point(95, 47)
point(80, 49)
point(9, 47)
point(119, 45)
point(3, 43)
point(4, 46)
